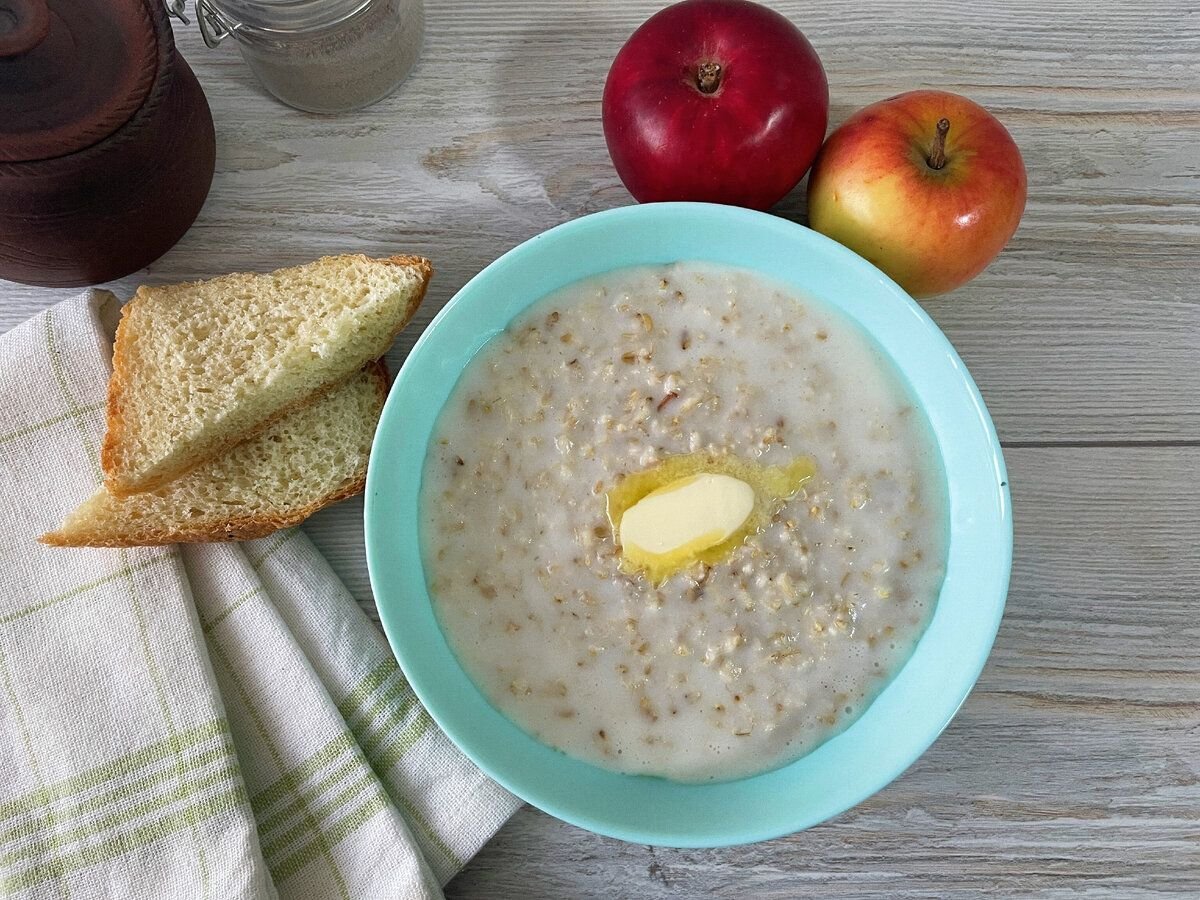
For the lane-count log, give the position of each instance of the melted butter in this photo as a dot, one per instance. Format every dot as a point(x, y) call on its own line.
point(772, 485)
point(684, 518)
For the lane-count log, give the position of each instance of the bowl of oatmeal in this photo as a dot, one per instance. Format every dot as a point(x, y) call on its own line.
point(687, 525)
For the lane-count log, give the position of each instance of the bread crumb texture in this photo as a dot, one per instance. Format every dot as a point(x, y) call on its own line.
point(308, 459)
point(199, 367)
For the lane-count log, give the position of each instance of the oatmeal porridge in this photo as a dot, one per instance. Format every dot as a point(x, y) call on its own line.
point(680, 521)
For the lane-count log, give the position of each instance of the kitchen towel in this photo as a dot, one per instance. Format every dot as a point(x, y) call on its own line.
point(213, 720)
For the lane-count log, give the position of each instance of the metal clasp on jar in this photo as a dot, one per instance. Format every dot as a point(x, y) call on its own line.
point(214, 27)
point(177, 9)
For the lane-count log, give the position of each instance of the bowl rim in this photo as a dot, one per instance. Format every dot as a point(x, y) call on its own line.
point(446, 703)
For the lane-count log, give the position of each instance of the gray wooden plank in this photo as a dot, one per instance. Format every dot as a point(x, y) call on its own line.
point(1072, 770)
point(1084, 329)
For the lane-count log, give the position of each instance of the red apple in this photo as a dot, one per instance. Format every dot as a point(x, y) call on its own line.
point(716, 100)
point(927, 185)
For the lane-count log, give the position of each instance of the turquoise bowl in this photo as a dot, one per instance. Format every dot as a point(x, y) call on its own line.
point(911, 710)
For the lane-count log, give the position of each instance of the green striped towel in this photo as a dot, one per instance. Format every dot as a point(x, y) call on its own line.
point(212, 721)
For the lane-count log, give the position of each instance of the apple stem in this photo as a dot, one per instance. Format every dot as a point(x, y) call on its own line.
point(937, 156)
point(708, 77)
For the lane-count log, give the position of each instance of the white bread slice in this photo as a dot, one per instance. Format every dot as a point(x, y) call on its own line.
point(310, 458)
point(199, 367)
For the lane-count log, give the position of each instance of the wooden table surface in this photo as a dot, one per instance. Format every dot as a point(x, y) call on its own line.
point(1074, 767)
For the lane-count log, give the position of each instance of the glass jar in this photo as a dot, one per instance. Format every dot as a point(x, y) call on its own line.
point(323, 56)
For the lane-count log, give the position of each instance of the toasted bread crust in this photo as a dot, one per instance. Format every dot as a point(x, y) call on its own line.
point(420, 263)
point(118, 383)
point(242, 528)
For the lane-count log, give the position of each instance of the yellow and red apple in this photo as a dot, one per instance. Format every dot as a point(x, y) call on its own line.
point(928, 186)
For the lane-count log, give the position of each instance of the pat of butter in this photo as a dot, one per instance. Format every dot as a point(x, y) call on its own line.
point(685, 517)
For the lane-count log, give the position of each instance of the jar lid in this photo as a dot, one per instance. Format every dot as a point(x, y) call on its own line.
point(71, 73)
point(282, 16)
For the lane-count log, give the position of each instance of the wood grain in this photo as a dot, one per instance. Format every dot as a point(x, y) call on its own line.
point(1074, 768)
point(497, 136)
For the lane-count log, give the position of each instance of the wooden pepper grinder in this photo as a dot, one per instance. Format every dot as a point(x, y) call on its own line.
point(106, 140)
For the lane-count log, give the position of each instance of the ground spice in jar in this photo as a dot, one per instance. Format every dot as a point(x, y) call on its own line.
point(336, 66)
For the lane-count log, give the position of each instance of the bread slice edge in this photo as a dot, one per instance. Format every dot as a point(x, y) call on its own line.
point(118, 385)
point(238, 528)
